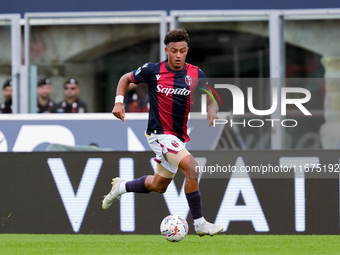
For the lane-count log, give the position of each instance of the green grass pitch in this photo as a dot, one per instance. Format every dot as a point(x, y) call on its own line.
point(155, 244)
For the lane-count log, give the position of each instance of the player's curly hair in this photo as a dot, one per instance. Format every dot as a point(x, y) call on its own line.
point(176, 35)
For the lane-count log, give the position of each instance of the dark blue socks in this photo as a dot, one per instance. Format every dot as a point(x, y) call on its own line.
point(193, 198)
point(195, 204)
point(137, 185)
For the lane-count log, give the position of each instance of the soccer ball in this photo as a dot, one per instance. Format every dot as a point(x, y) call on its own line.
point(174, 228)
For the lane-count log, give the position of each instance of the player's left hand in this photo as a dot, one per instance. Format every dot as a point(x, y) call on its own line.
point(211, 117)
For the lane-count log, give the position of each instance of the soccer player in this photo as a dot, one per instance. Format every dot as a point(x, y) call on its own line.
point(170, 85)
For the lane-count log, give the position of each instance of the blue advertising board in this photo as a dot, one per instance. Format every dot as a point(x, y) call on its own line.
point(35, 132)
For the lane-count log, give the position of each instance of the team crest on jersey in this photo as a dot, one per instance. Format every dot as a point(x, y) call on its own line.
point(188, 80)
point(174, 143)
point(138, 71)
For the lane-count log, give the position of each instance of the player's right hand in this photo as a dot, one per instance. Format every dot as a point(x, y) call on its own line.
point(119, 111)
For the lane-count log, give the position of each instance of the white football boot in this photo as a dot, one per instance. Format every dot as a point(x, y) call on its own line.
point(207, 228)
point(114, 193)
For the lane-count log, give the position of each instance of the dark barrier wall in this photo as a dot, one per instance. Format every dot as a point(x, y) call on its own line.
point(61, 193)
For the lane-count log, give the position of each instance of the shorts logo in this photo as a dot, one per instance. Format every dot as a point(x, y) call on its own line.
point(138, 71)
point(188, 80)
point(174, 143)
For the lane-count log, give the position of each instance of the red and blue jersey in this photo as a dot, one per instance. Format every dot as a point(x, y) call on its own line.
point(170, 93)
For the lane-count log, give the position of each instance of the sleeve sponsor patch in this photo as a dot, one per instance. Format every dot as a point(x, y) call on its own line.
point(138, 71)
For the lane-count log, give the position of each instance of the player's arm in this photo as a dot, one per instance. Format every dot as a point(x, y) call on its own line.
point(123, 85)
point(212, 111)
point(211, 106)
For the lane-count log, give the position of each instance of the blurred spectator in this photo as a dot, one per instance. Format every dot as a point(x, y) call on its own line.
point(138, 99)
point(6, 107)
point(72, 103)
point(45, 104)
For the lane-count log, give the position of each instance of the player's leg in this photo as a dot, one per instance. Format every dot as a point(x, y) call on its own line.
point(160, 181)
point(157, 182)
point(145, 184)
point(187, 165)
